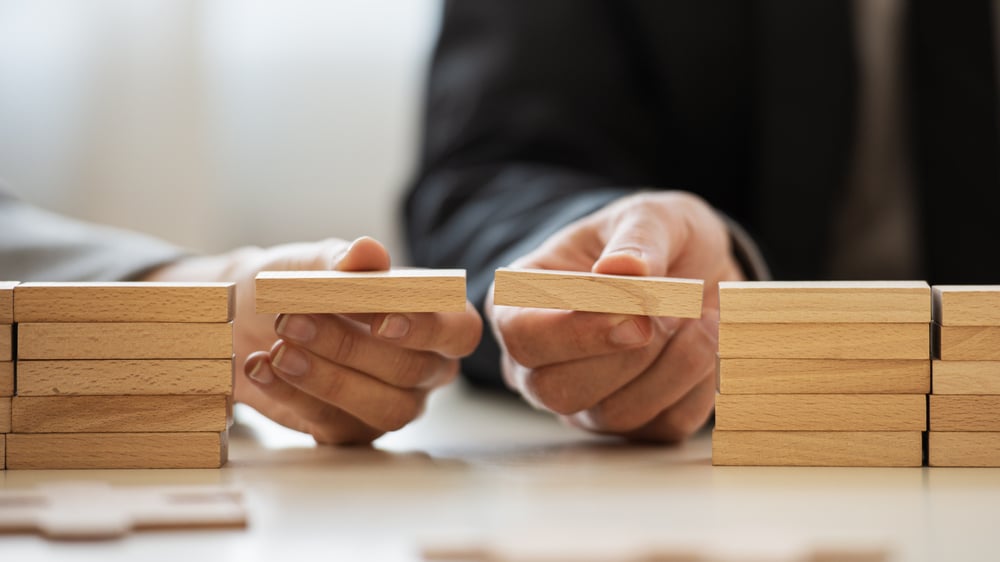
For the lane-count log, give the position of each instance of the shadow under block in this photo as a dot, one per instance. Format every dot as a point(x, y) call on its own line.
point(119, 414)
point(6, 378)
point(5, 417)
point(124, 302)
point(7, 302)
point(593, 292)
point(966, 377)
point(967, 305)
point(824, 341)
point(123, 377)
point(963, 448)
point(970, 343)
point(397, 290)
point(820, 302)
point(117, 450)
point(6, 342)
point(125, 341)
point(824, 376)
point(817, 448)
point(821, 412)
point(964, 413)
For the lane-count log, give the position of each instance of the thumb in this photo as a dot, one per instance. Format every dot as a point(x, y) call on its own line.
point(638, 244)
point(364, 254)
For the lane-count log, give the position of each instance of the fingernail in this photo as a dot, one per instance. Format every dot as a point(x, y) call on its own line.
point(291, 361)
point(298, 327)
point(261, 374)
point(394, 326)
point(627, 333)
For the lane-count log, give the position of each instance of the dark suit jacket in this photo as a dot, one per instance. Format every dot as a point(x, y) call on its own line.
point(540, 112)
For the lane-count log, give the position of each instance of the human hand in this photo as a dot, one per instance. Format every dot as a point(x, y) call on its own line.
point(344, 379)
point(646, 378)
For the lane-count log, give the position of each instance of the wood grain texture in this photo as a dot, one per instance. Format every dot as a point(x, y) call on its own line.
point(117, 450)
point(7, 301)
point(124, 302)
point(6, 379)
point(821, 412)
point(5, 417)
point(966, 377)
point(967, 343)
point(119, 414)
point(967, 305)
point(821, 302)
point(963, 448)
point(817, 448)
point(6, 342)
point(824, 376)
point(592, 292)
point(124, 341)
point(95, 377)
point(398, 290)
point(3, 451)
point(824, 341)
point(964, 413)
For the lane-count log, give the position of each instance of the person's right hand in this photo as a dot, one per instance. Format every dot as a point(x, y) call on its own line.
point(642, 377)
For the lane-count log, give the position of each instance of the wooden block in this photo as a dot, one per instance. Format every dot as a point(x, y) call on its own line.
point(967, 343)
point(124, 341)
point(398, 290)
point(6, 342)
point(124, 302)
point(819, 412)
point(963, 448)
point(824, 341)
point(966, 377)
point(967, 305)
point(124, 377)
point(817, 448)
point(117, 450)
point(964, 413)
point(119, 414)
point(824, 376)
point(5, 414)
point(3, 451)
point(822, 302)
point(6, 379)
point(7, 302)
point(593, 292)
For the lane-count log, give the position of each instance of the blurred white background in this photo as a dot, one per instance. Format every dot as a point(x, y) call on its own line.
point(216, 123)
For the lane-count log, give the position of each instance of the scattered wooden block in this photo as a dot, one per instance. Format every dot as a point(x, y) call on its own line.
point(397, 290)
point(124, 302)
point(96, 510)
point(822, 302)
point(120, 414)
point(966, 377)
point(594, 292)
point(817, 448)
point(824, 376)
point(967, 305)
point(824, 341)
point(5, 408)
point(964, 413)
point(967, 343)
point(821, 412)
point(963, 448)
point(6, 379)
point(124, 341)
point(6, 342)
point(95, 377)
point(7, 301)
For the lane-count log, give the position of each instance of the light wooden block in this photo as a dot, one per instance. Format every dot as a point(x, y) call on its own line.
point(821, 412)
point(124, 341)
point(124, 302)
point(817, 448)
point(5, 417)
point(398, 290)
point(822, 302)
point(964, 413)
point(967, 343)
point(824, 376)
point(824, 341)
point(3, 451)
point(593, 292)
point(119, 414)
point(117, 450)
point(963, 448)
point(7, 301)
point(6, 379)
point(967, 305)
point(124, 377)
point(6, 342)
point(966, 377)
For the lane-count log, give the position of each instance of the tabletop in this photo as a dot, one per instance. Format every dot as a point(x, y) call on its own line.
point(483, 466)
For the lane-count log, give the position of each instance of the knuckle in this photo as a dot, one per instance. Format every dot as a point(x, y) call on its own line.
point(551, 393)
point(612, 417)
point(345, 349)
point(411, 369)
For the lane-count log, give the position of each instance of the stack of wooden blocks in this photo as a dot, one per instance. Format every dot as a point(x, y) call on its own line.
point(822, 373)
point(965, 404)
point(6, 362)
point(121, 375)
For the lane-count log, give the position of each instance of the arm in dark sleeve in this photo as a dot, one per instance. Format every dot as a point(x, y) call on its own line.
point(36, 245)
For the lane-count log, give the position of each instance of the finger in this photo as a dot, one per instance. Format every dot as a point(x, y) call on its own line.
point(347, 343)
point(380, 405)
point(638, 243)
point(364, 254)
point(681, 420)
point(452, 334)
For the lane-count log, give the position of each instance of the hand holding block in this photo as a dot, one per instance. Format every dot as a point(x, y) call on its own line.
point(7, 301)
point(967, 305)
point(890, 302)
point(594, 292)
point(338, 292)
point(124, 302)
